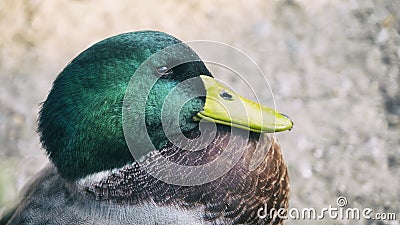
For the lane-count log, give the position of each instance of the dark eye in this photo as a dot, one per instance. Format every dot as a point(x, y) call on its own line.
point(163, 71)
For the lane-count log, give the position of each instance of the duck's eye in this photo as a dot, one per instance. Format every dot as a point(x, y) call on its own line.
point(225, 95)
point(164, 71)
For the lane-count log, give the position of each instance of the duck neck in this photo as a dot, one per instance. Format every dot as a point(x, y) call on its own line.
point(237, 189)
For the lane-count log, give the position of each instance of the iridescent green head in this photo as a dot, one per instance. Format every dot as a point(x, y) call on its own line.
point(80, 123)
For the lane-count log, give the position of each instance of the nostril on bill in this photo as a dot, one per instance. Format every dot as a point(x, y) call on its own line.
point(225, 95)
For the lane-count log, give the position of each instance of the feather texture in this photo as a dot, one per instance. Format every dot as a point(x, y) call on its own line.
point(129, 195)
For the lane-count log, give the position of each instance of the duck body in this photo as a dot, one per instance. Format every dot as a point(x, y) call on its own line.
point(52, 200)
point(128, 195)
point(94, 179)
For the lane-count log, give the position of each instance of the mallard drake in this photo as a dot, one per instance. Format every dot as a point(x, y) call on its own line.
point(93, 176)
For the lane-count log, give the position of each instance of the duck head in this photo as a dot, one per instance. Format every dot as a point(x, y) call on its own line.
point(81, 122)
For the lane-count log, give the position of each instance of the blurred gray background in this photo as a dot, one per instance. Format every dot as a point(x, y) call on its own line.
point(333, 67)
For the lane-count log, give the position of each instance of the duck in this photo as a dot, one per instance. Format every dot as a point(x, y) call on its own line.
point(108, 132)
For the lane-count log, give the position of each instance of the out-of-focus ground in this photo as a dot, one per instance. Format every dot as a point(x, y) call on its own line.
point(333, 66)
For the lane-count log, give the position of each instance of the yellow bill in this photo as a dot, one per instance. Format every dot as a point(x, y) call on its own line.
point(223, 106)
